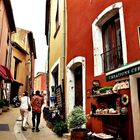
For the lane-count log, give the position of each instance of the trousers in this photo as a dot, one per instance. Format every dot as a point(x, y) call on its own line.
point(36, 119)
point(24, 115)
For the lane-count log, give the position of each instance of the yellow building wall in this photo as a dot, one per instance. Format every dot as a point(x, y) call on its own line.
point(21, 74)
point(56, 43)
point(24, 68)
point(20, 37)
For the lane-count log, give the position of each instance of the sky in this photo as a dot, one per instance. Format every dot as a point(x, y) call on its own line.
point(30, 15)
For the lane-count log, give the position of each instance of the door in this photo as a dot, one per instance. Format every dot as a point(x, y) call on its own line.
point(138, 83)
point(78, 86)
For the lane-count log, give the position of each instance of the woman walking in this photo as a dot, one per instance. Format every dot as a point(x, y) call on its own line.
point(25, 102)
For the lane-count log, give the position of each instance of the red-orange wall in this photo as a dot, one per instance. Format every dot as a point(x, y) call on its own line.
point(80, 16)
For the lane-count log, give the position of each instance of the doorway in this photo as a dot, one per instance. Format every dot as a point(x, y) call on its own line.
point(138, 84)
point(78, 86)
point(135, 103)
point(75, 86)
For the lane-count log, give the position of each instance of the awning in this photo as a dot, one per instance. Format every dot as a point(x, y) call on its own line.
point(17, 83)
point(5, 73)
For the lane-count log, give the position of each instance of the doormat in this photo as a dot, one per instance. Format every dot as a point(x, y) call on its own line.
point(4, 127)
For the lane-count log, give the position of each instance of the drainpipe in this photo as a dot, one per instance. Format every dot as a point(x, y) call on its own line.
point(49, 32)
point(48, 85)
point(32, 75)
point(63, 59)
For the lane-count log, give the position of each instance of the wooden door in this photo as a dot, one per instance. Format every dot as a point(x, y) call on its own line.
point(78, 86)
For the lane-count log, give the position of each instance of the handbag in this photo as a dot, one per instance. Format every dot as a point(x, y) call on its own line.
point(29, 107)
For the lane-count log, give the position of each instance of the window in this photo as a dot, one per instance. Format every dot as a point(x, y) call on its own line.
point(139, 34)
point(57, 15)
point(109, 39)
point(6, 57)
point(55, 76)
point(17, 61)
point(57, 19)
point(112, 46)
point(8, 39)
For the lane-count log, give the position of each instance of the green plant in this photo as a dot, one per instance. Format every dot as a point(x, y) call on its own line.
point(60, 128)
point(76, 118)
point(104, 89)
point(6, 102)
point(1, 103)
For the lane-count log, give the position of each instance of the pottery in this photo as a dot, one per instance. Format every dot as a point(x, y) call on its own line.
point(124, 110)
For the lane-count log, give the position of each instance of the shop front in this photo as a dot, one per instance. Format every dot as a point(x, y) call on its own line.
point(115, 103)
point(129, 76)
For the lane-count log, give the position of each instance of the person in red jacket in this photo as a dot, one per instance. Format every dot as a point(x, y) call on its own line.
point(36, 103)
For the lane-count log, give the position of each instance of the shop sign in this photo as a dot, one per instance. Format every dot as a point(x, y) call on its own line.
point(126, 72)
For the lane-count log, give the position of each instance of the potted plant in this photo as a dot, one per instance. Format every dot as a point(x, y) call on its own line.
point(76, 119)
point(60, 128)
point(1, 106)
point(6, 105)
point(105, 89)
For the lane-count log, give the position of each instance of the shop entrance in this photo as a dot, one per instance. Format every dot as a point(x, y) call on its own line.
point(135, 103)
point(138, 84)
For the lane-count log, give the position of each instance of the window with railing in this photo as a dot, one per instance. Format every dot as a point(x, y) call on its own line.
point(112, 59)
point(112, 44)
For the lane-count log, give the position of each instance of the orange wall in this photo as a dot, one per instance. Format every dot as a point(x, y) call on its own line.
point(40, 82)
point(4, 28)
point(43, 82)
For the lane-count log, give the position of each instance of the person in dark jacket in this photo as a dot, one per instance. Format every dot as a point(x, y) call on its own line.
point(36, 103)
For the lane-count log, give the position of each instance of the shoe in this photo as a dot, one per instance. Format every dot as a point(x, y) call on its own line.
point(33, 129)
point(24, 129)
point(37, 130)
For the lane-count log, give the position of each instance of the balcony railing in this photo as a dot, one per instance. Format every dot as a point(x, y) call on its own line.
point(112, 59)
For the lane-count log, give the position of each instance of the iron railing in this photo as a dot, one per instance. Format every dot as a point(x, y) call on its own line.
point(112, 58)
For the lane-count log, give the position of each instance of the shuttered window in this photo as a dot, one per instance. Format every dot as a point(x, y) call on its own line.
point(112, 44)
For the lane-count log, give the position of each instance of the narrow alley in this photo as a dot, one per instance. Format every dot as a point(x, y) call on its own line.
point(12, 128)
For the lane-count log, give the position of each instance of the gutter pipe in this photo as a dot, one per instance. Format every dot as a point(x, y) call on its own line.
point(63, 57)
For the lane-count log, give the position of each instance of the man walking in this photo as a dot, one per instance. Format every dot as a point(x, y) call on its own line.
point(36, 103)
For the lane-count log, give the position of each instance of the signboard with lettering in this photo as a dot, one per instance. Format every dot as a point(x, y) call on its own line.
point(123, 73)
point(58, 93)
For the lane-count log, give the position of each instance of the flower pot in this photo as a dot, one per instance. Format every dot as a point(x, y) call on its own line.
point(5, 108)
point(49, 125)
point(79, 134)
point(0, 111)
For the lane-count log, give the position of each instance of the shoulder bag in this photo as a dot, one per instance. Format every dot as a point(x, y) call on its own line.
point(29, 107)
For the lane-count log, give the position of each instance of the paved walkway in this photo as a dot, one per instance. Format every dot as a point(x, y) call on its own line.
point(12, 118)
